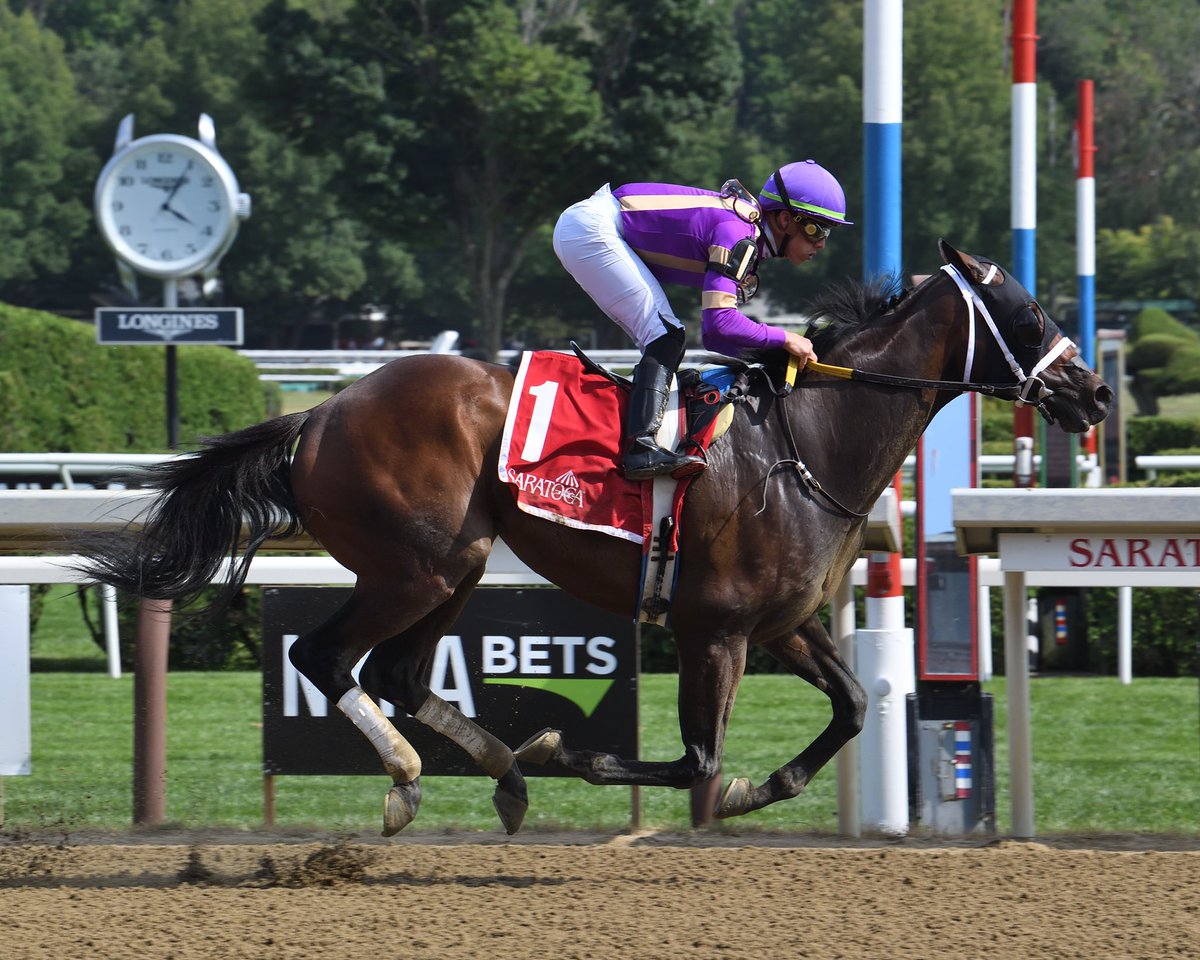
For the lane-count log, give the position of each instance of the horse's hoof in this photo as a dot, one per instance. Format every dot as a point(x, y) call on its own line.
point(735, 800)
point(541, 748)
point(400, 807)
point(511, 800)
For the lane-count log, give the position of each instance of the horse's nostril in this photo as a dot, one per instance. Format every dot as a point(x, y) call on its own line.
point(1104, 394)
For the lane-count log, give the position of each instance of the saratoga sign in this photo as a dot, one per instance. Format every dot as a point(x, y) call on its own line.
point(1127, 552)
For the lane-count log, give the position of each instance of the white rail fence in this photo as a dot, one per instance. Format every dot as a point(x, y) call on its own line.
point(34, 524)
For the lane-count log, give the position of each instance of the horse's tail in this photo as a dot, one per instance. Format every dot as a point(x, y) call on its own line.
point(222, 502)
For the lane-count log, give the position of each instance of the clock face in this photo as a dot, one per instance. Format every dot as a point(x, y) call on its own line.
point(165, 204)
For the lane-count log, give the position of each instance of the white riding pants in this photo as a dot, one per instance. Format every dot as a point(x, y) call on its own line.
point(589, 243)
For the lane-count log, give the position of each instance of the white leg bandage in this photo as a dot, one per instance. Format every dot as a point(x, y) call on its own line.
point(398, 756)
point(493, 757)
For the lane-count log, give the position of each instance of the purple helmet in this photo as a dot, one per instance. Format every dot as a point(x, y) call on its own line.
point(808, 188)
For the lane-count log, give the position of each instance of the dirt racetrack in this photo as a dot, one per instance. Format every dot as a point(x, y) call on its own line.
point(702, 895)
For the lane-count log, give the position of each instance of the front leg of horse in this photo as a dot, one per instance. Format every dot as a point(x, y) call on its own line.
point(511, 798)
point(810, 654)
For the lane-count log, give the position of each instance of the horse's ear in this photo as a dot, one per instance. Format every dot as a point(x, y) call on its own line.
point(967, 265)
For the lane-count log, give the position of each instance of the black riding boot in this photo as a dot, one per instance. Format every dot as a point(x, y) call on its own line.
point(644, 458)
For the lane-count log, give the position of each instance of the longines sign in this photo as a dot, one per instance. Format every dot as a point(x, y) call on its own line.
point(520, 660)
point(141, 325)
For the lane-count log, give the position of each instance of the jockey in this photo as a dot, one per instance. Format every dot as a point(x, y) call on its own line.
point(621, 245)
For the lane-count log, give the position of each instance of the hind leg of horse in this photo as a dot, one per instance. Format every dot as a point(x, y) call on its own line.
point(709, 674)
point(810, 653)
point(399, 670)
point(327, 655)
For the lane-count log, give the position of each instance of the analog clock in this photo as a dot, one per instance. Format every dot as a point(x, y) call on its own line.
point(168, 205)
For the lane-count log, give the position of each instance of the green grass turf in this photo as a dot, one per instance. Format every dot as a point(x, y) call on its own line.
point(1108, 758)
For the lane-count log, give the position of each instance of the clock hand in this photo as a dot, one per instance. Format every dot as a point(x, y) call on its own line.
point(166, 204)
point(174, 190)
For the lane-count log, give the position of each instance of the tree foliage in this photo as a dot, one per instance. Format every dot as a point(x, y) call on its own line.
point(41, 218)
point(414, 154)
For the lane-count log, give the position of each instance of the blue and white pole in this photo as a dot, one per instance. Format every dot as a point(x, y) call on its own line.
point(885, 647)
point(883, 77)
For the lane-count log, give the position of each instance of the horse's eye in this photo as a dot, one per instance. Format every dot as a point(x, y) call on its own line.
point(1028, 327)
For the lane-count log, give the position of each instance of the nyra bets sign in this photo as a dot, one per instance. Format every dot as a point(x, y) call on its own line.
point(519, 660)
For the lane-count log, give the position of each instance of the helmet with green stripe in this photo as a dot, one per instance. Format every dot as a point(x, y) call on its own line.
point(807, 189)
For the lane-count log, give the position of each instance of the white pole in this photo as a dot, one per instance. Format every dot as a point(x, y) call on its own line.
point(16, 738)
point(1020, 740)
point(887, 670)
point(112, 632)
point(848, 792)
point(1125, 634)
point(984, 594)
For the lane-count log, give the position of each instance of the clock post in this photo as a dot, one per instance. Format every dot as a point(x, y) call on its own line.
point(168, 207)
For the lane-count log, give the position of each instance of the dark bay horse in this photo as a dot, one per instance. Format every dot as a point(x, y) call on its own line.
point(396, 476)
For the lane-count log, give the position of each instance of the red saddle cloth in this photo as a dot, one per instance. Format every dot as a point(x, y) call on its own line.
point(561, 449)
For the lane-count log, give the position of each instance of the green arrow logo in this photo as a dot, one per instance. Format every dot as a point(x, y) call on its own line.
point(585, 694)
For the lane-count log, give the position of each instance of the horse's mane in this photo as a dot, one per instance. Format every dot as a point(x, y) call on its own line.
point(839, 308)
point(846, 305)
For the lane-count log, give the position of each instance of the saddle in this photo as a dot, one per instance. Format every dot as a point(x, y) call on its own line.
point(707, 396)
point(561, 452)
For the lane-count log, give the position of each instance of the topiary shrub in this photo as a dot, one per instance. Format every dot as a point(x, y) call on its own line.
point(1163, 359)
point(1155, 321)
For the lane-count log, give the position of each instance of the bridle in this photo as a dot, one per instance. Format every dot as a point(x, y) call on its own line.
point(1029, 389)
point(1025, 384)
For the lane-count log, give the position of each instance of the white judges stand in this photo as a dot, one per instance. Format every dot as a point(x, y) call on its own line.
point(1091, 538)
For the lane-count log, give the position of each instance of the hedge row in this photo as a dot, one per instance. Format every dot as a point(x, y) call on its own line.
point(1160, 435)
point(61, 391)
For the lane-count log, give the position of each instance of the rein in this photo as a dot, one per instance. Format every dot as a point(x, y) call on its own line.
point(801, 468)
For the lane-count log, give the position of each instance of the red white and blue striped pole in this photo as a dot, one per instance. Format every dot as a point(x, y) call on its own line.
point(1024, 143)
point(1085, 221)
point(1024, 219)
point(885, 648)
point(1023, 209)
point(964, 784)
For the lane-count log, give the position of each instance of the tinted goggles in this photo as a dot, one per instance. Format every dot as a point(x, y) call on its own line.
point(813, 230)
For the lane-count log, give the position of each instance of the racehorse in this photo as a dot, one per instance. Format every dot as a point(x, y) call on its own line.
point(396, 477)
